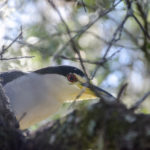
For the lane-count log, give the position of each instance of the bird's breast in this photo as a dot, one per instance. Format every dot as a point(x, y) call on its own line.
point(30, 97)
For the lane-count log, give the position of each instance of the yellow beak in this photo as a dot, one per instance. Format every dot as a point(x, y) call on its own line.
point(89, 94)
point(86, 93)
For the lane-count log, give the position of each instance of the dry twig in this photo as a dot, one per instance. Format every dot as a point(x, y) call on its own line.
point(121, 91)
point(5, 48)
point(75, 49)
point(139, 102)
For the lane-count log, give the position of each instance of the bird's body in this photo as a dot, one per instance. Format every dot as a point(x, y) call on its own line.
point(36, 95)
point(28, 100)
point(39, 94)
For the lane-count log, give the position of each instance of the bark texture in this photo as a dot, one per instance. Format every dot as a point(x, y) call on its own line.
point(97, 127)
point(11, 138)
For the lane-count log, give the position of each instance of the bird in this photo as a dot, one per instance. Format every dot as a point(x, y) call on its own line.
point(36, 95)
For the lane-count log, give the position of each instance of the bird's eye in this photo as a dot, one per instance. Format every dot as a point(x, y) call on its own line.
point(71, 77)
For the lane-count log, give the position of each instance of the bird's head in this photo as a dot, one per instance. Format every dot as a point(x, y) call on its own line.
point(68, 83)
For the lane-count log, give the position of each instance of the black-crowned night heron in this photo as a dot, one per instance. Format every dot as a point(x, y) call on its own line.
point(40, 93)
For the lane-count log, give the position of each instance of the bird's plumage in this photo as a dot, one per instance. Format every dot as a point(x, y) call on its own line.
point(36, 95)
point(40, 93)
point(9, 76)
point(62, 70)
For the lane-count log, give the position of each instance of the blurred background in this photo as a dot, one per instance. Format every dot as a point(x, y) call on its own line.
point(119, 27)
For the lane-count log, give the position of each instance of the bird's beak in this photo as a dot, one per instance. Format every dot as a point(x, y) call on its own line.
point(100, 92)
point(86, 93)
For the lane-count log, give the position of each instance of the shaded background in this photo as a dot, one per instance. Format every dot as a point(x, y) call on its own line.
point(44, 36)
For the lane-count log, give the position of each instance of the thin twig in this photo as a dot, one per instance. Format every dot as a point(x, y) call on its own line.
point(121, 91)
point(84, 60)
point(77, 97)
point(118, 30)
point(141, 26)
point(126, 31)
point(70, 37)
point(139, 102)
point(96, 36)
point(104, 61)
point(86, 27)
point(19, 57)
point(22, 116)
point(83, 4)
point(114, 39)
point(4, 49)
point(24, 43)
point(108, 42)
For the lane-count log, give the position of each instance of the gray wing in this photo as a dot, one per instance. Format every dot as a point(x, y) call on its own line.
point(6, 77)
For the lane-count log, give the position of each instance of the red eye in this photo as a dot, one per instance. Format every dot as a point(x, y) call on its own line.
point(71, 77)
